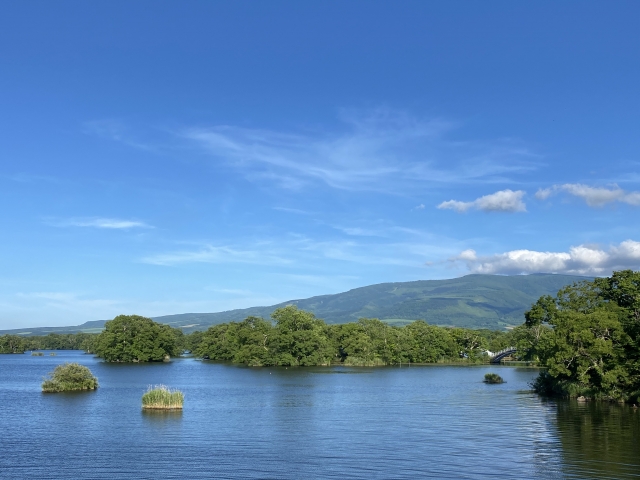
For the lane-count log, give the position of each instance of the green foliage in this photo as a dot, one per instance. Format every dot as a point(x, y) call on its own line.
point(298, 338)
point(493, 378)
point(12, 344)
point(55, 341)
point(70, 377)
point(587, 337)
point(162, 398)
point(132, 338)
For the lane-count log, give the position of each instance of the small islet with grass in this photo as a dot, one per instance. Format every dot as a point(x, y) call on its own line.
point(162, 397)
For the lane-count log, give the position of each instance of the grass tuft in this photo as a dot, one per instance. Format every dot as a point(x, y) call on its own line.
point(493, 378)
point(70, 377)
point(162, 398)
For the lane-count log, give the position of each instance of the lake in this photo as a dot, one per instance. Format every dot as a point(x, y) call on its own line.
point(298, 423)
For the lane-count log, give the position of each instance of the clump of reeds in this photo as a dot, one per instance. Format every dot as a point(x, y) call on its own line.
point(493, 378)
point(70, 377)
point(162, 398)
point(53, 354)
point(37, 354)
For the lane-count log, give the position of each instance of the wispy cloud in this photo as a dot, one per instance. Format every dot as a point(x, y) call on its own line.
point(593, 196)
point(109, 223)
point(215, 254)
point(502, 201)
point(118, 131)
point(380, 151)
point(580, 260)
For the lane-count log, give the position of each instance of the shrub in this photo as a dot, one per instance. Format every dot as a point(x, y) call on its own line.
point(70, 377)
point(163, 398)
point(493, 378)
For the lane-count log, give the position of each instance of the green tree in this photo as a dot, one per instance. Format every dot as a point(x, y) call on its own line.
point(300, 338)
point(587, 338)
point(428, 344)
point(12, 344)
point(132, 338)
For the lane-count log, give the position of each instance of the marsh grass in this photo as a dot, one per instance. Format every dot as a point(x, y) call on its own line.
point(493, 378)
point(162, 398)
point(70, 377)
point(37, 354)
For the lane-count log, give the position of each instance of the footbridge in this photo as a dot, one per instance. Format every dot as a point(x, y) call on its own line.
point(498, 356)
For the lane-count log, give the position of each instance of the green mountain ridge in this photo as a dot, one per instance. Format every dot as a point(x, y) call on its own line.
point(473, 301)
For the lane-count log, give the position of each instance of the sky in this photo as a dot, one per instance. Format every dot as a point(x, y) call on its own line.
point(161, 157)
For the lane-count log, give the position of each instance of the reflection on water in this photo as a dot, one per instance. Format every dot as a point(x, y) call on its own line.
point(599, 439)
point(418, 422)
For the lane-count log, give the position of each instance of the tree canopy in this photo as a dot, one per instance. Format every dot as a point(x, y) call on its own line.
point(298, 338)
point(587, 337)
point(132, 338)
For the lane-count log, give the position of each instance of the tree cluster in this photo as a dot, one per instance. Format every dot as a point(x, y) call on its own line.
point(298, 338)
point(52, 341)
point(587, 338)
point(132, 338)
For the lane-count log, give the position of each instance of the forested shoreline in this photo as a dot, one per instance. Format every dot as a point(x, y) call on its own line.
point(294, 338)
point(587, 339)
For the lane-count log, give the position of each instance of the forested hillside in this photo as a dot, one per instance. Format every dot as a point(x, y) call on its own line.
point(472, 301)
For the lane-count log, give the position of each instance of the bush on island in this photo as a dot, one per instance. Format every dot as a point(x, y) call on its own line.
point(132, 338)
point(162, 398)
point(493, 378)
point(70, 377)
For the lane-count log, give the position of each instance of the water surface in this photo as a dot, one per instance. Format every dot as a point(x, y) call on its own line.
point(338, 422)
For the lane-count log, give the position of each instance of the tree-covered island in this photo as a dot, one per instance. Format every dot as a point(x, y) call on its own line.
point(587, 338)
point(132, 338)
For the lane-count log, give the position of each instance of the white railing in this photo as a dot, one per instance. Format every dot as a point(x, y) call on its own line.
point(503, 351)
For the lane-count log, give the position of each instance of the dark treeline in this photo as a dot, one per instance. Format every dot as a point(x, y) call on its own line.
point(294, 338)
point(298, 338)
point(52, 341)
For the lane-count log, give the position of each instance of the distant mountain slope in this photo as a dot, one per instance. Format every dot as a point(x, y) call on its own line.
point(474, 301)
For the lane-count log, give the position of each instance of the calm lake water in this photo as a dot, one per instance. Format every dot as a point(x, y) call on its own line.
point(421, 421)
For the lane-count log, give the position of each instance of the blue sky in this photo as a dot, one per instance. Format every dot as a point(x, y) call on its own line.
point(168, 157)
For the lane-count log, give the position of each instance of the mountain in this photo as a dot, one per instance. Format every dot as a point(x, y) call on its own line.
point(473, 301)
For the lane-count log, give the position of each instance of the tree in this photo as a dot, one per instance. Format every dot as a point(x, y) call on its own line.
point(587, 338)
point(132, 338)
point(12, 344)
point(428, 343)
point(300, 338)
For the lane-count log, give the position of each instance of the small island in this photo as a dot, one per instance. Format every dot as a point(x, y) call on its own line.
point(162, 398)
point(70, 377)
point(493, 378)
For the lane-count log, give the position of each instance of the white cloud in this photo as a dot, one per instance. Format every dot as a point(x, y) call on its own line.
point(110, 223)
point(212, 254)
point(419, 207)
point(580, 260)
point(381, 151)
point(502, 201)
point(593, 196)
